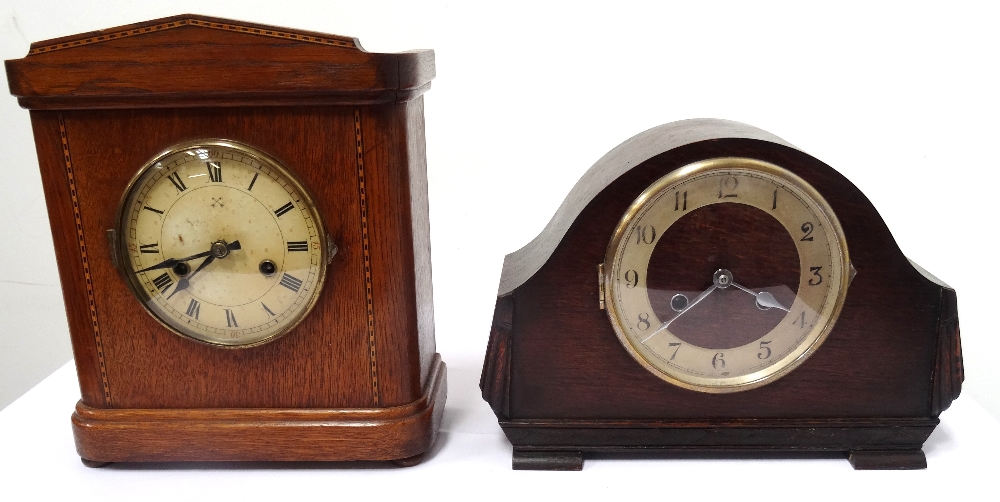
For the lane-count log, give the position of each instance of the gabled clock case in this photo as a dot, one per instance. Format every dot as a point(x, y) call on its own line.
point(359, 378)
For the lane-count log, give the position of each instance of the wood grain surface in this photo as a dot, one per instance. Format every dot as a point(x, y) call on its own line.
point(204, 61)
point(893, 354)
point(349, 125)
point(248, 434)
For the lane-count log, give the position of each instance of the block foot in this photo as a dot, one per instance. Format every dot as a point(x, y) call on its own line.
point(887, 459)
point(409, 461)
point(93, 463)
point(547, 460)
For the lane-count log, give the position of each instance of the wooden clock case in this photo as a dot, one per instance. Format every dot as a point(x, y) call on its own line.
point(359, 378)
point(561, 383)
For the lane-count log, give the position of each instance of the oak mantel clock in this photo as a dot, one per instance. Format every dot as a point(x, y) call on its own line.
point(708, 288)
point(240, 221)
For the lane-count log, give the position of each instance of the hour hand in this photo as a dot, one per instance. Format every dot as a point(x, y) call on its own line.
point(219, 250)
point(765, 300)
point(184, 282)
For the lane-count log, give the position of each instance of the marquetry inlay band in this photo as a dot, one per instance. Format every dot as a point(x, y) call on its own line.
point(105, 37)
point(367, 251)
point(86, 262)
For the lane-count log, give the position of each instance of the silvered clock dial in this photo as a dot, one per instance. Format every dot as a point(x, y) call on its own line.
point(221, 243)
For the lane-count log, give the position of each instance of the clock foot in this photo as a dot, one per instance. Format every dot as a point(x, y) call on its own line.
point(93, 463)
point(547, 460)
point(409, 461)
point(887, 459)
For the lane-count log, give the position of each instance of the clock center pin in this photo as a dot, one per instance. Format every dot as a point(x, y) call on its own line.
point(722, 278)
point(220, 249)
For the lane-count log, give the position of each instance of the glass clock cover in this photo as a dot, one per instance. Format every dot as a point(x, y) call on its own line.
point(221, 243)
point(726, 274)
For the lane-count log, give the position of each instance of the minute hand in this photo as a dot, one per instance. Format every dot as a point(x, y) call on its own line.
point(186, 280)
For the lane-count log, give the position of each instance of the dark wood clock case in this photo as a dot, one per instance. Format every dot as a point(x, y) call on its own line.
point(561, 384)
point(359, 378)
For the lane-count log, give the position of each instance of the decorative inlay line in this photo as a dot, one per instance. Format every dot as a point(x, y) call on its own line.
point(327, 40)
point(367, 251)
point(86, 262)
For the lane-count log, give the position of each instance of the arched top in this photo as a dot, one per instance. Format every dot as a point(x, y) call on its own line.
point(522, 264)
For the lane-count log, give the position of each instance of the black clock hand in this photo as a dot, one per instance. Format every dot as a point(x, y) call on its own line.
point(170, 262)
point(765, 300)
point(185, 281)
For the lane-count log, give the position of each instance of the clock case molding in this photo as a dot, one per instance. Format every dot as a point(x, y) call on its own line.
point(561, 384)
point(359, 378)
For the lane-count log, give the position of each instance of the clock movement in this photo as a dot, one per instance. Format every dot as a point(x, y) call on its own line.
point(707, 288)
point(240, 221)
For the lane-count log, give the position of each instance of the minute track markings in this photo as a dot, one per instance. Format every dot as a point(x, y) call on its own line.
point(237, 192)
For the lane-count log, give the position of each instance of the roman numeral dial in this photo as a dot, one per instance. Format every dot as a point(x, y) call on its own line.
point(221, 243)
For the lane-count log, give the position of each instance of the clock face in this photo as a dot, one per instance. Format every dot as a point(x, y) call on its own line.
point(221, 243)
point(726, 274)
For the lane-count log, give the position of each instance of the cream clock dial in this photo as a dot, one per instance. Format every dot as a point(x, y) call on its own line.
point(726, 274)
point(221, 243)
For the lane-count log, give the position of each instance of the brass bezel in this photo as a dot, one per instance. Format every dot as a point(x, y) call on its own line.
point(263, 158)
point(793, 359)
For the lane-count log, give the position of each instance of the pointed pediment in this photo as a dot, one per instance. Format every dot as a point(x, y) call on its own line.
point(189, 21)
point(193, 60)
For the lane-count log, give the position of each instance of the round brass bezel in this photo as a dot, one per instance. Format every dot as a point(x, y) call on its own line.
point(795, 357)
point(126, 265)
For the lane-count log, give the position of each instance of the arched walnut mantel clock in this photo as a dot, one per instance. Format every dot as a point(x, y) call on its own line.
point(707, 287)
point(241, 226)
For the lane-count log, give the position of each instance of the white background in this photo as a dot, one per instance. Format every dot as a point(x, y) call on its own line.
point(899, 97)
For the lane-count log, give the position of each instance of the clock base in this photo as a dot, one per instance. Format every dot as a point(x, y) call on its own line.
point(401, 433)
point(868, 443)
